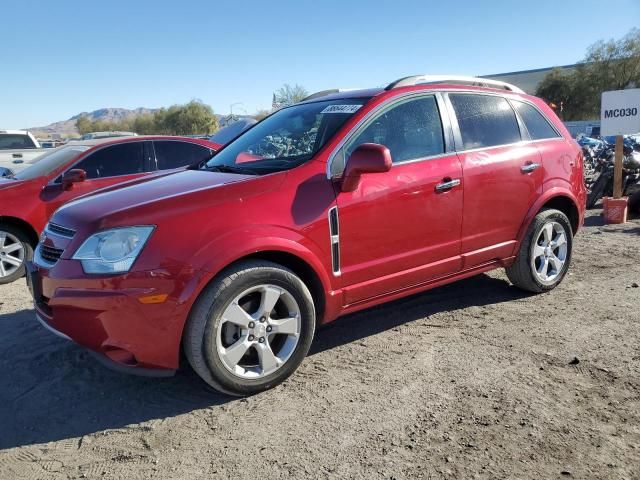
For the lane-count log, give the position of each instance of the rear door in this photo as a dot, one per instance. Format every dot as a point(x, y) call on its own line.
point(558, 158)
point(398, 228)
point(175, 153)
point(502, 174)
point(107, 166)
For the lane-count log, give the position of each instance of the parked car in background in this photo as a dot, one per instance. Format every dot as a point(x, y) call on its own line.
point(324, 208)
point(28, 198)
point(231, 131)
point(17, 149)
point(51, 143)
point(111, 134)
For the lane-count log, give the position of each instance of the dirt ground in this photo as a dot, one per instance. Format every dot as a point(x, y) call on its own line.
point(471, 380)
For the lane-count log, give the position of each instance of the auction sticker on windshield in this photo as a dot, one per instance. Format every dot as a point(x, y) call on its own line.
point(341, 109)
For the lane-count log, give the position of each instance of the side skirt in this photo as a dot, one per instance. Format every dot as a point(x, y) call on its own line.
point(437, 282)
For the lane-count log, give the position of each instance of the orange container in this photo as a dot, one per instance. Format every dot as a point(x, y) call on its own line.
point(615, 209)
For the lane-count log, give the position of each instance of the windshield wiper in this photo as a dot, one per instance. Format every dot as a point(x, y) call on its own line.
point(229, 169)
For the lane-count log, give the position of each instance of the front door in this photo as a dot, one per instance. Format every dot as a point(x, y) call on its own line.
point(402, 227)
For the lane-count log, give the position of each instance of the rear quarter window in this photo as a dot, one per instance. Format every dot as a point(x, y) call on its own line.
point(15, 142)
point(485, 120)
point(537, 125)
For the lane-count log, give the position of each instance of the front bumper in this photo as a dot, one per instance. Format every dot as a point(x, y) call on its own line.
point(105, 314)
point(109, 363)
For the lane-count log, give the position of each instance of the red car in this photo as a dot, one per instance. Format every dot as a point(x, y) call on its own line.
point(326, 207)
point(28, 198)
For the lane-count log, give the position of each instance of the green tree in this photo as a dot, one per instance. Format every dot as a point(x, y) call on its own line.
point(260, 114)
point(560, 90)
point(608, 65)
point(193, 118)
point(288, 95)
point(83, 124)
point(144, 124)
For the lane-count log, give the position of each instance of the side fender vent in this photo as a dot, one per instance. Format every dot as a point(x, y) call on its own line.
point(334, 231)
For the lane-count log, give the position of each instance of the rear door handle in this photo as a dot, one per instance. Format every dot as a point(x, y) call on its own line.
point(529, 167)
point(448, 184)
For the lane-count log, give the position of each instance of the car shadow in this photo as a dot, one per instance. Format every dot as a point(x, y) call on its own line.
point(51, 389)
point(475, 291)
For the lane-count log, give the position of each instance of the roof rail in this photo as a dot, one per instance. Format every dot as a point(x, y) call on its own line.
point(454, 79)
point(324, 93)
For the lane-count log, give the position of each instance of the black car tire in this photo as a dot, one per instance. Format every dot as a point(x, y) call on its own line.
point(521, 272)
point(201, 330)
point(26, 246)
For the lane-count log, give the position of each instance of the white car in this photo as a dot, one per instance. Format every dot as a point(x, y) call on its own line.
point(18, 149)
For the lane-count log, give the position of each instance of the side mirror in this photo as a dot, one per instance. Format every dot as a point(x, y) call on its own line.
point(74, 175)
point(366, 158)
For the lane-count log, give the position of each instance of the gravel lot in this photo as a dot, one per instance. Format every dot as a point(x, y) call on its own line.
point(472, 380)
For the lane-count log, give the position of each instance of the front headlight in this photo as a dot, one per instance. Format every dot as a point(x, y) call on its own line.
point(112, 251)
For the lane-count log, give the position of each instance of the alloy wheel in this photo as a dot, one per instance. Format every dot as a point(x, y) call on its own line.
point(259, 331)
point(549, 253)
point(12, 254)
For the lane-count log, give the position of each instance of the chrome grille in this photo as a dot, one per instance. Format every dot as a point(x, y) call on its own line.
point(60, 230)
point(50, 254)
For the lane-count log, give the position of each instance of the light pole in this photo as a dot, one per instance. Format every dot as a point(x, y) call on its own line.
point(231, 108)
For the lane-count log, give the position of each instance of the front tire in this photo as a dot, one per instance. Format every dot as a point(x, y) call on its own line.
point(545, 253)
point(15, 250)
point(250, 328)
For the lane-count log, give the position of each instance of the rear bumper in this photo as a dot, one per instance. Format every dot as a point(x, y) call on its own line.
point(106, 315)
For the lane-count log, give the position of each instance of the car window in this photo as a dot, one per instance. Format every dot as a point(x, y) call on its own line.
point(410, 130)
point(175, 154)
point(484, 120)
point(13, 141)
point(537, 126)
point(111, 161)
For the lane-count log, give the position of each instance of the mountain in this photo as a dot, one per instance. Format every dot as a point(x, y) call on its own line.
point(68, 128)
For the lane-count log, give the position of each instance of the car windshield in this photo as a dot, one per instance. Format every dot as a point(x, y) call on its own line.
point(49, 162)
point(286, 139)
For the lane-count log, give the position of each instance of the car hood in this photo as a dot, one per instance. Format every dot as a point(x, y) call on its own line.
point(148, 199)
point(9, 183)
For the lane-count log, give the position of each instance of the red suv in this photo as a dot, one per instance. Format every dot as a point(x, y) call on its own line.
point(338, 203)
point(28, 198)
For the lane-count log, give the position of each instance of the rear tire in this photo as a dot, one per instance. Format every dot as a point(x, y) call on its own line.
point(545, 253)
point(250, 328)
point(15, 250)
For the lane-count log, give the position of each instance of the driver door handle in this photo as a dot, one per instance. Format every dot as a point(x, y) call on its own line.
point(447, 184)
point(529, 167)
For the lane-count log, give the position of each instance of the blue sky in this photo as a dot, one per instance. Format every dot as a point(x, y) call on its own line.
point(64, 57)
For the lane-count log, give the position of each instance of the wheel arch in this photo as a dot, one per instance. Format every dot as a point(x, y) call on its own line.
point(22, 225)
point(558, 199)
point(566, 206)
point(298, 266)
